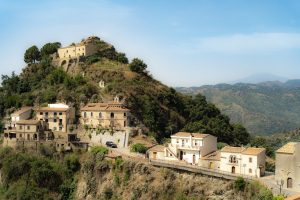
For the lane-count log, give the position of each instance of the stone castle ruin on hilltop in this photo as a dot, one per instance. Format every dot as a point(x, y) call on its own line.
point(68, 57)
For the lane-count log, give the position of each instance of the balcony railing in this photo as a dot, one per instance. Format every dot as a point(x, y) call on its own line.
point(185, 146)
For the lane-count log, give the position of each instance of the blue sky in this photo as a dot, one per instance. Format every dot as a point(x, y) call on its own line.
point(184, 43)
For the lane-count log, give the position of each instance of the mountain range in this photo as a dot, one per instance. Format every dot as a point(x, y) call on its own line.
point(263, 108)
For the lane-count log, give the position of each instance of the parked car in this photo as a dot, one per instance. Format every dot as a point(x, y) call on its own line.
point(111, 144)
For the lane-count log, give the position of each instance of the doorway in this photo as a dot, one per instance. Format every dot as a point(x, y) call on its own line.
point(211, 165)
point(233, 170)
point(181, 155)
point(194, 159)
point(154, 155)
point(289, 183)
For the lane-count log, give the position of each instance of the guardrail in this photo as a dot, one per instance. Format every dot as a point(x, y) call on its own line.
point(198, 169)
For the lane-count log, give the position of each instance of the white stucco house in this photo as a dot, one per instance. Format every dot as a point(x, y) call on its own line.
point(245, 161)
point(188, 147)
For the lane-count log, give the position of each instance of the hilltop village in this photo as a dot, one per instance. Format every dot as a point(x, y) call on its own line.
point(111, 123)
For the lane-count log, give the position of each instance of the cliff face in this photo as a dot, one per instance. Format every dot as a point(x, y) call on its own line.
point(128, 179)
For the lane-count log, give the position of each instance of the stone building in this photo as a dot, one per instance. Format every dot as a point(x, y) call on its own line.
point(287, 170)
point(105, 115)
point(85, 48)
point(23, 113)
point(107, 122)
point(60, 117)
point(25, 130)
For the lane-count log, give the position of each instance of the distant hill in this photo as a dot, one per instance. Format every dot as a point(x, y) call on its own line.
point(259, 78)
point(264, 108)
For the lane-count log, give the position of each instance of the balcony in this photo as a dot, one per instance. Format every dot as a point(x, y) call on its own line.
point(186, 147)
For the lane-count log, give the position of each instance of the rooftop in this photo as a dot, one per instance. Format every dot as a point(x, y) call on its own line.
point(186, 134)
point(47, 109)
point(159, 148)
point(111, 106)
point(28, 122)
point(22, 110)
point(253, 151)
point(289, 148)
point(230, 149)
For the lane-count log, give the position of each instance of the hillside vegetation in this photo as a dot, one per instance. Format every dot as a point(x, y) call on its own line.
point(265, 108)
point(158, 109)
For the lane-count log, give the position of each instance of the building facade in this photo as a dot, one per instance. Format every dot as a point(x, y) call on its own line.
point(59, 117)
point(240, 160)
point(22, 114)
point(85, 48)
point(105, 115)
point(25, 130)
point(287, 169)
point(187, 147)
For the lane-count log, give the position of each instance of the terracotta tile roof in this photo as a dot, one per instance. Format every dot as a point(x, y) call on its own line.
point(28, 122)
point(186, 134)
point(253, 151)
point(289, 148)
point(112, 106)
point(230, 149)
point(47, 109)
point(22, 110)
point(159, 148)
point(213, 156)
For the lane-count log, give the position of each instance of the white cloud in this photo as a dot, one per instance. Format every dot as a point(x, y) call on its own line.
point(249, 43)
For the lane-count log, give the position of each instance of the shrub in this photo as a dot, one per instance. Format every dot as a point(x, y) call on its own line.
point(99, 149)
point(140, 148)
point(108, 193)
point(72, 162)
point(240, 184)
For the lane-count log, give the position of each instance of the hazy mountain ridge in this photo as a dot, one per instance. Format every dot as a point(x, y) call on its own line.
point(264, 108)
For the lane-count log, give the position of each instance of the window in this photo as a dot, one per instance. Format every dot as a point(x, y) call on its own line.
point(55, 113)
point(233, 159)
point(84, 114)
point(20, 127)
point(46, 113)
point(60, 113)
point(100, 115)
point(170, 155)
point(177, 141)
point(20, 135)
point(55, 120)
point(250, 171)
point(124, 123)
point(92, 114)
point(28, 127)
point(250, 160)
point(46, 120)
point(41, 113)
point(60, 128)
point(196, 143)
point(112, 115)
point(60, 121)
point(124, 114)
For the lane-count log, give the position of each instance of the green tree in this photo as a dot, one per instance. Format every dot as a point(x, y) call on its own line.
point(32, 55)
point(240, 135)
point(50, 48)
point(138, 66)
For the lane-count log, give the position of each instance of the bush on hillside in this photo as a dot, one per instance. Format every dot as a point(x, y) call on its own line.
point(138, 66)
point(139, 148)
point(240, 184)
point(99, 149)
